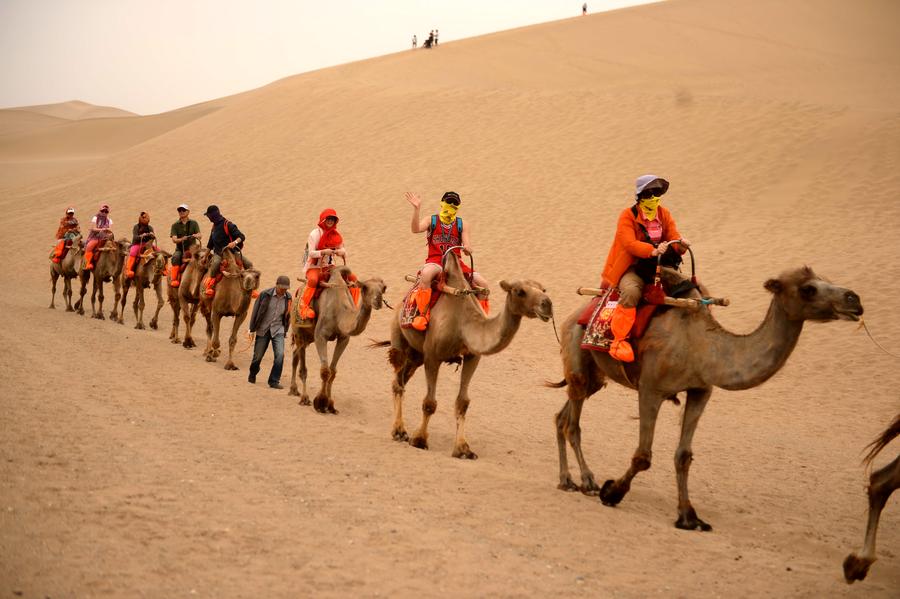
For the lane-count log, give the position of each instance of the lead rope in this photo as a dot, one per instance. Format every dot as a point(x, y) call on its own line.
point(862, 325)
point(553, 320)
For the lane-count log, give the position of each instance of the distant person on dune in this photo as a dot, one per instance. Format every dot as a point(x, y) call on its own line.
point(322, 245)
point(224, 234)
point(415, 41)
point(101, 230)
point(183, 232)
point(68, 229)
point(584, 9)
point(644, 232)
point(435, 37)
point(445, 230)
point(141, 234)
point(430, 41)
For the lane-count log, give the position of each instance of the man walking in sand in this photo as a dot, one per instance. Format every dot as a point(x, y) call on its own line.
point(271, 314)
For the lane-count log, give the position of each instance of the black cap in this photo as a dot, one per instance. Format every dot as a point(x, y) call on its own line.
point(284, 282)
point(451, 196)
point(211, 209)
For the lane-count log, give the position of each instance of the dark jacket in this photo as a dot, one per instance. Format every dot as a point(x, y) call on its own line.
point(219, 237)
point(262, 305)
point(139, 229)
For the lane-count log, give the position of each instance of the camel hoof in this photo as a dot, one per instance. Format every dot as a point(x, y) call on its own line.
point(230, 366)
point(320, 404)
point(331, 409)
point(70, 309)
point(689, 521)
point(176, 341)
point(465, 454)
point(610, 494)
point(99, 317)
point(400, 435)
point(139, 326)
point(304, 401)
point(294, 391)
point(419, 442)
point(153, 324)
point(568, 485)
point(188, 344)
point(210, 358)
point(855, 568)
point(52, 307)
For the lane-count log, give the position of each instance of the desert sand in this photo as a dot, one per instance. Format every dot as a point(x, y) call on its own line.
point(131, 467)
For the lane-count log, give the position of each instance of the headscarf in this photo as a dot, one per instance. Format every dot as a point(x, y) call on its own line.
point(330, 238)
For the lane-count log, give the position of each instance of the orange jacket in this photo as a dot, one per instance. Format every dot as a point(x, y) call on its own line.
point(629, 244)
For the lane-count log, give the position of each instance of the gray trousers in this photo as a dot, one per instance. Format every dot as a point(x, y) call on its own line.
point(216, 261)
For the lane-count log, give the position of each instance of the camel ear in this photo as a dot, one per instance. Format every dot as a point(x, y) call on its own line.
point(774, 285)
point(505, 286)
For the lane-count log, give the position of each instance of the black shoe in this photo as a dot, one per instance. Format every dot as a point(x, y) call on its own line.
point(251, 379)
point(277, 386)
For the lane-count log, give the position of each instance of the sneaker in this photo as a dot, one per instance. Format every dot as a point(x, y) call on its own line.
point(251, 379)
point(276, 386)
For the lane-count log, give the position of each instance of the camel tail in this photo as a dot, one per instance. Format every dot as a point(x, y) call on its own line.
point(558, 385)
point(881, 442)
point(376, 344)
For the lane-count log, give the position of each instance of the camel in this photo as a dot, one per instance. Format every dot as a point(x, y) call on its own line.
point(337, 319)
point(882, 483)
point(188, 294)
point(688, 351)
point(68, 270)
point(232, 298)
point(458, 331)
point(148, 273)
point(194, 260)
point(110, 259)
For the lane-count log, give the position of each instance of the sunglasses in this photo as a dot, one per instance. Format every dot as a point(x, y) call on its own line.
point(104, 211)
point(649, 193)
point(452, 202)
point(182, 210)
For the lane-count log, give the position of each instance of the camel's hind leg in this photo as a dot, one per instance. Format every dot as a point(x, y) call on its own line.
point(299, 358)
point(79, 305)
point(154, 322)
point(54, 276)
point(324, 402)
point(138, 306)
point(693, 409)
point(124, 300)
point(613, 491)
point(189, 313)
point(461, 447)
point(429, 403)
point(176, 319)
point(67, 293)
point(882, 483)
point(232, 341)
point(405, 362)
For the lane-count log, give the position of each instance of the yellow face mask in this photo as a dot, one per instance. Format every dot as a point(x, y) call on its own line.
point(448, 213)
point(649, 206)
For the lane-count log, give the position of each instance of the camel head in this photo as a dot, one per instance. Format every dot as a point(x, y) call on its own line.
point(805, 296)
point(202, 257)
point(159, 261)
point(373, 292)
point(249, 279)
point(528, 298)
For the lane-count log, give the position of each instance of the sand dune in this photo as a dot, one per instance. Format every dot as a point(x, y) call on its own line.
point(129, 463)
point(76, 110)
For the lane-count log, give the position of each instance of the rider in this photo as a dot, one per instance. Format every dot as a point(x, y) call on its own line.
point(445, 230)
point(183, 231)
point(643, 233)
point(224, 234)
point(323, 244)
point(101, 229)
point(68, 230)
point(141, 233)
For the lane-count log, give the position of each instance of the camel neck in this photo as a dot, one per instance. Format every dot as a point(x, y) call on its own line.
point(485, 336)
point(744, 361)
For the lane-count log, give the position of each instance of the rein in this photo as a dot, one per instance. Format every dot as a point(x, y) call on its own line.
point(862, 325)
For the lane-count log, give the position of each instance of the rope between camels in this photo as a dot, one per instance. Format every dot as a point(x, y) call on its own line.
point(862, 325)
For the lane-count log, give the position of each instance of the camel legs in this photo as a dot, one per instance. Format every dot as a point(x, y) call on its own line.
point(568, 426)
point(461, 447)
point(232, 341)
point(429, 404)
point(54, 276)
point(882, 483)
point(299, 358)
point(212, 337)
point(693, 409)
point(324, 402)
point(97, 295)
point(612, 492)
point(67, 293)
point(79, 305)
point(176, 316)
point(117, 287)
point(405, 366)
point(137, 305)
point(189, 313)
point(154, 322)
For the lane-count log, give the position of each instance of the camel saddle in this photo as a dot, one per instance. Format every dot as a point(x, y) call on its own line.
point(596, 318)
point(410, 310)
point(313, 303)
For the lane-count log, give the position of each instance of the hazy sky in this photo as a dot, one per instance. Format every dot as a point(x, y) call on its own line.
point(151, 56)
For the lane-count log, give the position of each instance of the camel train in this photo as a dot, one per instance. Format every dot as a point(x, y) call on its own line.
point(682, 349)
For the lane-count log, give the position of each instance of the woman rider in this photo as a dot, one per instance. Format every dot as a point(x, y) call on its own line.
point(323, 243)
point(644, 232)
point(141, 233)
point(445, 230)
point(100, 230)
point(68, 230)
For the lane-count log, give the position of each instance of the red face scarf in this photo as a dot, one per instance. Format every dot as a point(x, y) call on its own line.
point(330, 239)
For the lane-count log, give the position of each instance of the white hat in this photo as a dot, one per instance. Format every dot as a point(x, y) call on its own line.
point(644, 181)
point(183, 207)
point(70, 211)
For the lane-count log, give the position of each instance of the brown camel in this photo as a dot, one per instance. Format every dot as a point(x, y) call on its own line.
point(689, 351)
point(337, 319)
point(232, 298)
point(110, 259)
point(148, 273)
point(458, 331)
point(186, 297)
point(68, 270)
point(882, 483)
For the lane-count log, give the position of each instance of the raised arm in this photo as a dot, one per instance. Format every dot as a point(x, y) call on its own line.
point(418, 224)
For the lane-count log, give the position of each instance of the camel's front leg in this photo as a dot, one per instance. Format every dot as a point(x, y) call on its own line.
point(461, 447)
point(124, 300)
point(154, 322)
point(67, 293)
point(54, 276)
point(613, 491)
point(189, 313)
point(568, 426)
point(882, 483)
point(693, 409)
point(212, 337)
point(79, 305)
point(232, 341)
point(176, 320)
point(117, 289)
point(299, 358)
point(404, 367)
point(339, 347)
point(138, 306)
point(97, 296)
point(429, 404)
point(320, 403)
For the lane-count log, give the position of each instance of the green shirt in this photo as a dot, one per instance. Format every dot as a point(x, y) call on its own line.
point(180, 229)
